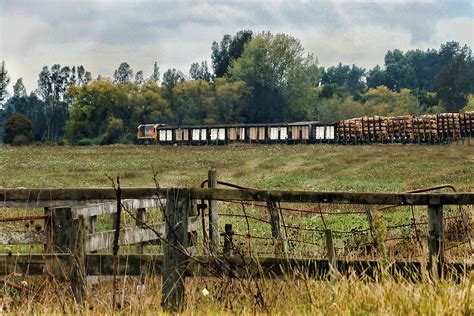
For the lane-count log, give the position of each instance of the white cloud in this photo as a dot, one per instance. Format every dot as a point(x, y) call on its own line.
point(102, 34)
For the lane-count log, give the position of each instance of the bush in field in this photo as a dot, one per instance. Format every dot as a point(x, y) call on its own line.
point(18, 130)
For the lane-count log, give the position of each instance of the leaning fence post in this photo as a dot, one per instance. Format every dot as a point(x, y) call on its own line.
point(213, 213)
point(330, 249)
point(178, 207)
point(276, 227)
point(435, 239)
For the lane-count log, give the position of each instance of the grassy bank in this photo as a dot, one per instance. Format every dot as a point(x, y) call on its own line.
point(378, 168)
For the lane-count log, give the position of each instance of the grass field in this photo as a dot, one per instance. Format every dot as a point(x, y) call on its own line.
point(375, 168)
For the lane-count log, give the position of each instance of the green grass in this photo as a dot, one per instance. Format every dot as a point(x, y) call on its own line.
point(377, 168)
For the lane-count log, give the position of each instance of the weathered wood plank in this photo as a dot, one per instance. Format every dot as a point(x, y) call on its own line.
point(102, 264)
point(111, 207)
point(129, 236)
point(83, 196)
point(213, 213)
point(21, 237)
point(435, 238)
point(335, 197)
point(178, 208)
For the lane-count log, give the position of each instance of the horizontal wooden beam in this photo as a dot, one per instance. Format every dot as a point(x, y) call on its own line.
point(134, 264)
point(130, 236)
point(83, 196)
point(21, 237)
point(111, 207)
point(335, 197)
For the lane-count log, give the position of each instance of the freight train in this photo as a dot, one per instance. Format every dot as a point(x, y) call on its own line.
point(435, 128)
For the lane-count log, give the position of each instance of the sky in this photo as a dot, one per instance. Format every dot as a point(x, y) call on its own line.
point(102, 34)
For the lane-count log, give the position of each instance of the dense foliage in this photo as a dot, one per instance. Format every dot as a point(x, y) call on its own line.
point(255, 78)
point(18, 130)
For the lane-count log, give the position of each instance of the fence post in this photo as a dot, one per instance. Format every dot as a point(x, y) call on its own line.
point(78, 258)
point(48, 230)
point(69, 237)
point(277, 235)
point(140, 222)
point(435, 239)
point(228, 240)
point(330, 249)
point(213, 213)
point(178, 207)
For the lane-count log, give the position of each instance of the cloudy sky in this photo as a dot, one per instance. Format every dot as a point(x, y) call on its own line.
point(102, 34)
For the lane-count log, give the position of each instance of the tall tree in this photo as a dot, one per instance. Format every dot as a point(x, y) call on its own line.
point(200, 72)
point(453, 83)
point(19, 88)
point(53, 86)
point(344, 79)
point(123, 74)
point(139, 79)
point(4, 81)
point(282, 77)
point(229, 49)
point(155, 76)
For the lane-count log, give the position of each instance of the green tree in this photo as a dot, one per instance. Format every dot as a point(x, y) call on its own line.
point(453, 83)
point(123, 74)
point(229, 49)
point(149, 106)
point(4, 81)
point(93, 104)
point(343, 79)
point(231, 99)
point(18, 127)
point(19, 88)
point(194, 103)
point(200, 72)
point(33, 108)
point(282, 78)
point(139, 78)
point(155, 76)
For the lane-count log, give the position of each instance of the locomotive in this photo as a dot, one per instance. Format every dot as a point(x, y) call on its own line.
point(433, 128)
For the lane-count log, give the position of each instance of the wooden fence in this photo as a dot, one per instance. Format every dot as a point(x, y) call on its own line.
point(71, 239)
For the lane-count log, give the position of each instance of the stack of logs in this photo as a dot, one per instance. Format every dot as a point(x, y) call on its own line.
point(400, 128)
point(423, 128)
point(364, 129)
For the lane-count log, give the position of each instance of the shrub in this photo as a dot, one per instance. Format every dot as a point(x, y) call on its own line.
point(18, 124)
point(20, 140)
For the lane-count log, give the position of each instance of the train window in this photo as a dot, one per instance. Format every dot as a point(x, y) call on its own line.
point(273, 133)
point(319, 132)
point(214, 133)
point(283, 133)
point(162, 135)
point(221, 133)
point(329, 132)
point(203, 134)
point(195, 134)
point(169, 135)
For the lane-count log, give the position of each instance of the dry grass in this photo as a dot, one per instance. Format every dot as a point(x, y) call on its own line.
point(303, 296)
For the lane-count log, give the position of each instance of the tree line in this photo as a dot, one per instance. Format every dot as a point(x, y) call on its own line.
point(253, 78)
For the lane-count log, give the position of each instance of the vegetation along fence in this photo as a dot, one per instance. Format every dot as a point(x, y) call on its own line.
point(181, 232)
